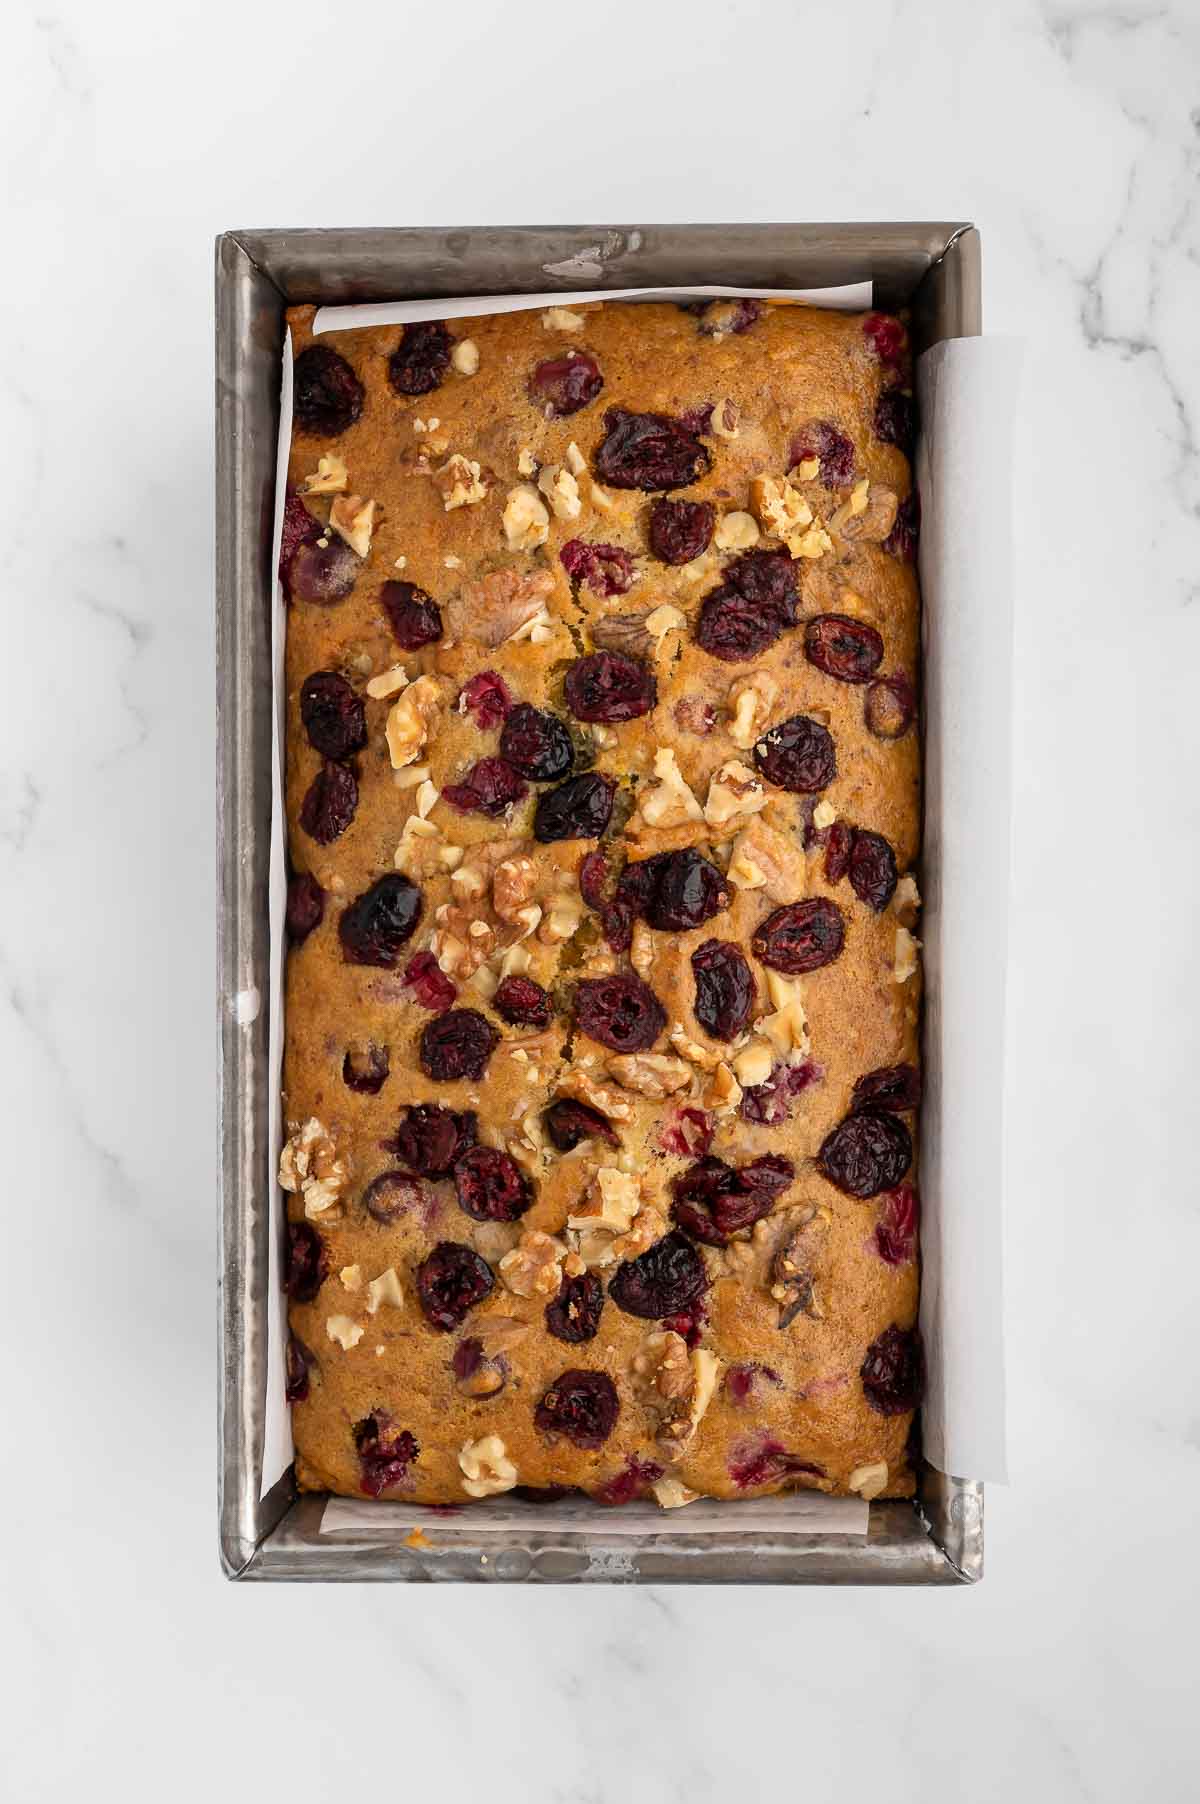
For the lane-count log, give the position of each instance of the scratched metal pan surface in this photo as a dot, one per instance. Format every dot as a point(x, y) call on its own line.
point(932, 267)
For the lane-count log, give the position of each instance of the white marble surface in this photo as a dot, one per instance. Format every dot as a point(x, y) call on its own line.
point(133, 133)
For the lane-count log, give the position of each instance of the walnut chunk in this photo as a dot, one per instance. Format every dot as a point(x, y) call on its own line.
point(764, 859)
point(576, 1082)
point(345, 1331)
point(877, 518)
point(411, 720)
point(533, 1267)
point(329, 478)
point(736, 531)
point(492, 608)
point(734, 790)
point(905, 961)
point(724, 421)
point(464, 358)
point(309, 1166)
point(870, 1480)
point(385, 1292)
point(561, 490)
point(562, 319)
point(669, 802)
point(460, 482)
point(651, 1074)
point(526, 519)
point(626, 633)
point(750, 701)
point(672, 1493)
point(353, 519)
point(513, 885)
point(792, 1282)
point(724, 1093)
point(486, 1467)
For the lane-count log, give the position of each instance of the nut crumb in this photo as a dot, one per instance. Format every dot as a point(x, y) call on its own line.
point(486, 1467)
point(465, 357)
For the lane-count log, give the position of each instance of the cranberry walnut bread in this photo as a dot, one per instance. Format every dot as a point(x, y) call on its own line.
point(602, 992)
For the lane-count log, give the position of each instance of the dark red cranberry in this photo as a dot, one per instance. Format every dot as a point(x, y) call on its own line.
point(305, 905)
point(872, 869)
point(742, 1380)
point(582, 1405)
point(450, 1283)
point(839, 842)
point(896, 1229)
point(299, 528)
point(901, 542)
point(467, 1357)
point(365, 1068)
point(431, 1139)
point(688, 1323)
point(330, 803)
point(490, 787)
point(383, 1457)
point(304, 1262)
point(420, 361)
point(392, 1195)
point(594, 879)
point(767, 578)
point(800, 936)
point(688, 1135)
point(567, 1122)
point(765, 1461)
point(562, 385)
point(822, 440)
point(457, 1044)
point(738, 315)
point(631, 1482)
point(893, 1372)
point(895, 1088)
point(322, 572)
point(895, 418)
point(849, 650)
point(378, 923)
point(607, 686)
point(487, 698)
point(605, 569)
point(770, 1102)
point(333, 715)
point(695, 715)
point(733, 629)
point(490, 1186)
point(886, 337)
point(578, 809)
point(680, 530)
point(675, 891)
point(523, 1003)
point(713, 1200)
point(724, 989)
point(665, 1279)
point(300, 1361)
point(414, 617)
point(428, 982)
point(574, 1314)
point(536, 744)
point(648, 451)
point(797, 755)
point(866, 1153)
point(326, 394)
point(890, 707)
point(620, 1011)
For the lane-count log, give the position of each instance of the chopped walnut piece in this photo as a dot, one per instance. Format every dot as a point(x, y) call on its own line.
point(672, 1493)
point(787, 1027)
point(724, 1093)
point(906, 901)
point(532, 1268)
point(562, 319)
point(492, 608)
point(736, 531)
point(626, 633)
point(385, 1292)
point(877, 518)
point(561, 490)
point(611, 1201)
point(854, 505)
point(353, 519)
point(526, 519)
point(669, 802)
point(575, 461)
point(465, 357)
point(350, 1277)
point(419, 848)
point(735, 790)
point(562, 918)
point(724, 421)
point(651, 1074)
point(824, 815)
point(753, 1065)
point(576, 1082)
point(665, 619)
point(869, 1481)
point(344, 1330)
point(513, 884)
point(411, 719)
point(641, 948)
point(309, 1166)
point(792, 1281)
point(779, 508)
point(460, 482)
point(498, 1333)
point(690, 1049)
point(388, 682)
point(807, 470)
point(764, 859)
point(526, 462)
point(486, 1467)
point(750, 701)
point(329, 478)
point(905, 962)
point(676, 1386)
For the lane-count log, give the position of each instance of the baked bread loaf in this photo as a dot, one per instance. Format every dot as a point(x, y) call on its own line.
point(602, 995)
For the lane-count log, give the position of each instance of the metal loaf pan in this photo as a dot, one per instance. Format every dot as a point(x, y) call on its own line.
point(932, 268)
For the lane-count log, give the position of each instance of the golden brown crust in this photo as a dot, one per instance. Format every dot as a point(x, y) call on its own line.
point(793, 365)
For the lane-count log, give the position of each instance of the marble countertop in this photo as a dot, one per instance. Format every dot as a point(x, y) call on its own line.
point(1071, 134)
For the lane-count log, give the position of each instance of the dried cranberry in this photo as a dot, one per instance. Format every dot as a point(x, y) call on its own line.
point(488, 699)
point(523, 1003)
point(724, 989)
point(901, 542)
point(695, 715)
point(414, 617)
point(457, 1044)
point(490, 1186)
point(665, 1279)
point(450, 1283)
point(742, 1380)
point(822, 440)
point(620, 1011)
point(797, 755)
point(713, 1200)
point(893, 1087)
point(428, 982)
point(330, 803)
point(300, 1360)
point(299, 528)
point(562, 385)
point(765, 1461)
point(680, 530)
point(322, 572)
point(688, 1135)
point(376, 925)
point(735, 315)
point(733, 629)
point(305, 905)
point(631, 1482)
point(895, 418)
point(767, 578)
point(886, 336)
point(383, 1458)
point(872, 869)
point(365, 1068)
point(431, 1139)
point(304, 1262)
point(890, 707)
point(770, 1102)
point(648, 451)
point(594, 877)
point(420, 361)
point(893, 1372)
point(578, 809)
point(467, 1357)
point(607, 686)
point(567, 1122)
point(394, 1194)
point(839, 841)
point(536, 744)
point(800, 936)
point(866, 1153)
point(674, 891)
point(605, 569)
point(333, 715)
point(582, 1405)
point(490, 787)
point(574, 1314)
point(326, 394)
point(896, 1229)
point(849, 650)
point(688, 1323)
